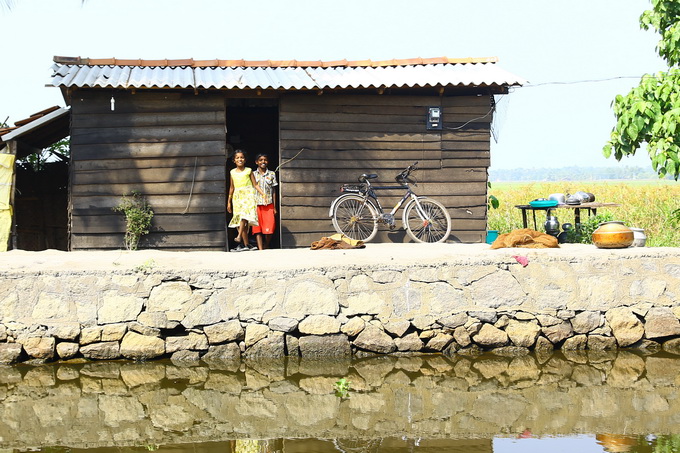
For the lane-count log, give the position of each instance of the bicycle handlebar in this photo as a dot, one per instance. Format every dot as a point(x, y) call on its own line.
point(403, 176)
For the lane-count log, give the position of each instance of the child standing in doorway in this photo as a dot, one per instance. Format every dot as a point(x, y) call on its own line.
point(241, 200)
point(266, 204)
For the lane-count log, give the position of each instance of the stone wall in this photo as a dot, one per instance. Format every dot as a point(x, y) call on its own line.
point(571, 301)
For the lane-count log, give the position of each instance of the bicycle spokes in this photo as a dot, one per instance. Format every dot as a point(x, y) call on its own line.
point(355, 218)
point(428, 222)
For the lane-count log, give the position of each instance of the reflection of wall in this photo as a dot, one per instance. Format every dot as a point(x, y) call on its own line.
point(433, 397)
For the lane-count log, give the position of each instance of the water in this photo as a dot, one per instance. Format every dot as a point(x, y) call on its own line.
point(578, 401)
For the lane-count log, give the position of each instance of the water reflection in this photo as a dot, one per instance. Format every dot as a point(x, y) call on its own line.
point(616, 401)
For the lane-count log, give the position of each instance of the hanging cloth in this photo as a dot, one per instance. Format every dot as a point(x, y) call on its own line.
point(6, 176)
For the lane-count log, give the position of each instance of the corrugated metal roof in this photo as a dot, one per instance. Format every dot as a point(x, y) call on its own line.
point(278, 76)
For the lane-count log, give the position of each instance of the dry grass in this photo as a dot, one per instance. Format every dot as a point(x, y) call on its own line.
point(644, 204)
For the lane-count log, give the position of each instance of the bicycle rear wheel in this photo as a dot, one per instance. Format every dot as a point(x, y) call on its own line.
point(429, 223)
point(356, 218)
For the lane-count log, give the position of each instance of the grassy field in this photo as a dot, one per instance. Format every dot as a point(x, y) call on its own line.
point(644, 204)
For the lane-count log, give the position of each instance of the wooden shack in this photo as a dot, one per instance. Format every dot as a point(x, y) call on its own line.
point(166, 130)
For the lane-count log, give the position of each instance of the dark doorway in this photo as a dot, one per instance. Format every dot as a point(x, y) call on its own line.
point(40, 208)
point(253, 126)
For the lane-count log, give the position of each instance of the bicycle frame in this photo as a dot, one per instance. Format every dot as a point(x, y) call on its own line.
point(358, 211)
point(369, 192)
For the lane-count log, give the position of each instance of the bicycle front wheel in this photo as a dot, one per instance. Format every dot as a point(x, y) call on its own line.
point(427, 220)
point(356, 218)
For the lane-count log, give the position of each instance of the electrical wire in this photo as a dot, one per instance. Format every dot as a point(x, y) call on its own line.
point(289, 160)
point(575, 82)
point(191, 191)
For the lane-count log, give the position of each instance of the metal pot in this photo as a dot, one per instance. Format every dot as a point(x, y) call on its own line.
point(552, 225)
point(582, 196)
point(558, 197)
point(639, 237)
point(612, 235)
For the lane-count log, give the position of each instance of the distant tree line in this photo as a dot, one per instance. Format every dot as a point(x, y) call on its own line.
point(573, 174)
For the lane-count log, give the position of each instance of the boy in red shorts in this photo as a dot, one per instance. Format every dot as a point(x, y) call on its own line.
point(266, 205)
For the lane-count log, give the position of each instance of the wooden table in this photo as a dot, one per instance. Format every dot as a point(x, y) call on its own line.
point(591, 207)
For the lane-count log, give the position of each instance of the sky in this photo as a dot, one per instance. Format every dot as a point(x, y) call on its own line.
point(577, 55)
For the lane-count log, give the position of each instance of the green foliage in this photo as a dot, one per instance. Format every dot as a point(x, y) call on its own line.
point(666, 443)
point(492, 202)
point(342, 388)
point(138, 215)
point(583, 234)
point(649, 114)
point(146, 267)
point(664, 18)
point(57, 151)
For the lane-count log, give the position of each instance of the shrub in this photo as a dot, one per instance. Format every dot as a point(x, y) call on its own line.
point(138, 215)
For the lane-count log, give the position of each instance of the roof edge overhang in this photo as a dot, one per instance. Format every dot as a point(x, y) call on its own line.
point(43, 120)
point(190, 62)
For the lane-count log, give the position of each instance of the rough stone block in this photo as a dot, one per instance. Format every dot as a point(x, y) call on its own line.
point(587, 321)
point(10, 353)
point(90, 335)
point(661, 322)
point(439, 342)
point(191, 341)
point(312, 346)
point(67, 350)
point(522, 333)
point(39, 347)
point(224, 332)
point(283, 324)
point(64, 331)
point(397, 327)
point(108, 350)
point(272, 345)
point(558, 332)
point(229, 352)
point(141, 347)
point(600, 343)
point(353, 327)
point(255, 333)
point(375, 340)
point(410, 342)
point(113, 332)
point(170, 297)
point(490, 336)
point(462, 336)
point(319, 325)
point(626, 327)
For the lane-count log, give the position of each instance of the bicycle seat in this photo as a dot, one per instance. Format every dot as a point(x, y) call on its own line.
point(364, 177)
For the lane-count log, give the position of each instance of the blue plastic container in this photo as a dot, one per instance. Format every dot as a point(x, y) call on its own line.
point(491, 235)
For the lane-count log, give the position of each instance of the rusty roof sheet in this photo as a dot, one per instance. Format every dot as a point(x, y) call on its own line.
point(30, 119)
point(279, 75)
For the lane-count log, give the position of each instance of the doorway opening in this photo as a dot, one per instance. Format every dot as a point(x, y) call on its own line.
point(253, 126)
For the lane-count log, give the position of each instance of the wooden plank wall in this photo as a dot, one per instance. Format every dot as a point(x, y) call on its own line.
point(170, 147)
point(343, 136)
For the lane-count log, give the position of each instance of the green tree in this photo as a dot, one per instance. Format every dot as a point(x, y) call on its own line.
point(649, 114)
point(59, 151)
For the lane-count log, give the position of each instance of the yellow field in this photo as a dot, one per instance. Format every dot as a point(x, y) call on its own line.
point(644, 204)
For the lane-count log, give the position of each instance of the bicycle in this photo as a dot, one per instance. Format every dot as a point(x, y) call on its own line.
point(358, 212)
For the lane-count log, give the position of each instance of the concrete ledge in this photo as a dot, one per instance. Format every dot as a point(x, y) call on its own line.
point(386, 298)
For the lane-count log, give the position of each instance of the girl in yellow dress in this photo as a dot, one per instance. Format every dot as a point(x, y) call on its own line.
point(242, 194)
